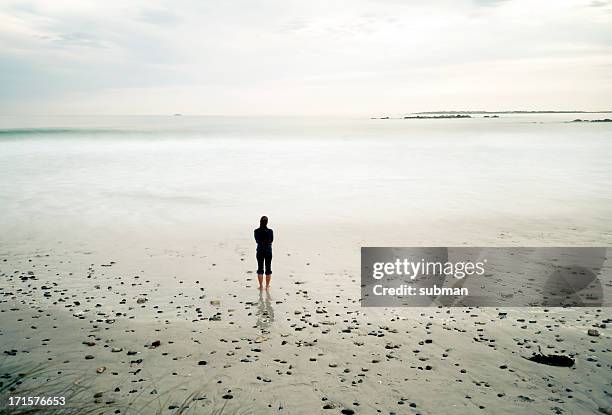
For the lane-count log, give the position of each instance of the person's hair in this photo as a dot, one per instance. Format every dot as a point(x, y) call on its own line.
point(263, 222)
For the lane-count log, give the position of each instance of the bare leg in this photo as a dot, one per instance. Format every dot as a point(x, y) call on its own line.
point(268, 278)
point(260, 279)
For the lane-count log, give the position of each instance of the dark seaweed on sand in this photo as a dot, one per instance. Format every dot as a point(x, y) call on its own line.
point(552, 359)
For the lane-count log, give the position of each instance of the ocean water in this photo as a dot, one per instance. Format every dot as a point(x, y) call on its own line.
point(107, 177)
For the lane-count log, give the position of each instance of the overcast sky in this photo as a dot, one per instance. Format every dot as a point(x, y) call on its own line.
point(309, 57)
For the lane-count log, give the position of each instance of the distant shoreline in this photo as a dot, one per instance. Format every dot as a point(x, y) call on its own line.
point(513, 112)
point(487, 114)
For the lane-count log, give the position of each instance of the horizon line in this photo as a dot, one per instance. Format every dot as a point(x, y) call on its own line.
point(180, 114)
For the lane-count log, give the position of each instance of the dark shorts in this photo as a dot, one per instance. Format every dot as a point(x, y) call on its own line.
point(264, 258)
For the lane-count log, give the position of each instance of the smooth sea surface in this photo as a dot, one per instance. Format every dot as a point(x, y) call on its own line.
point(101, 177)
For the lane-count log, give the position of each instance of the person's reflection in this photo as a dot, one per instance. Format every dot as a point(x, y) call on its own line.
point(265, 312)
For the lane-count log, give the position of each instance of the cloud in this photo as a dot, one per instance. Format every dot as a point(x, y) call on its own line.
point(598, 3)
point(159, 16)
point(489, 2)
point(79, 38)
point(87, 56)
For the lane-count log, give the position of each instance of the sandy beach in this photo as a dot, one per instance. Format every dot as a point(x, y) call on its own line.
point(185, 330)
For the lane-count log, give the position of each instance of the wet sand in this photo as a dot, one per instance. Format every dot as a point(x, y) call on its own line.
point(149, 328)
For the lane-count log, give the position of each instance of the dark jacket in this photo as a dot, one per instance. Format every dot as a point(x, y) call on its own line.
point(264, 238)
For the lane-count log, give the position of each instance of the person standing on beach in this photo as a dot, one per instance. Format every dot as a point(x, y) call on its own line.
point(264, 237)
